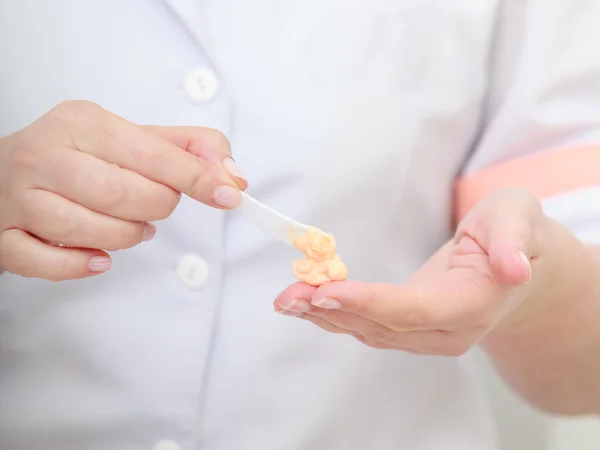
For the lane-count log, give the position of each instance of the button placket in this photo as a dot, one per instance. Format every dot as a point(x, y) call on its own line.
point(201, 85)
point(192, 271)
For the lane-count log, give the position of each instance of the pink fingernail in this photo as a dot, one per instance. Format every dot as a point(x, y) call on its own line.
point(227, 197)
point(327, 303)
point(149, 231)
point(231, 167)
point(99, 264)
point(526, 260)
point(283, 312)
point(297, 305)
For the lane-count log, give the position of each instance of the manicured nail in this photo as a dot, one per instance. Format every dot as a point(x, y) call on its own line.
point(99, 263)
point(297, 305)
point(525, 259)
point(227, 197)
point(283, 312)
point(149, 231)
point(231, 167)
point(327, 303)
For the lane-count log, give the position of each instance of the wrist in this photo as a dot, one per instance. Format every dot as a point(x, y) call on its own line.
point(547, 350)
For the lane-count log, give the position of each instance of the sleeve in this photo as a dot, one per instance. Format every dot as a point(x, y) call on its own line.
point(541, 125)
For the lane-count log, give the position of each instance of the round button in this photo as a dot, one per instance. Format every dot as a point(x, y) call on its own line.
point(192, 271)
point(166, 445)
point(201, 85)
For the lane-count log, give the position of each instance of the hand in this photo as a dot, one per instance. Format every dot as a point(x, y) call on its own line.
point(475, 282)
point(80, 181)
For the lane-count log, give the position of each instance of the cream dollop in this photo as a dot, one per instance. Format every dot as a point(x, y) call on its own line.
point(322, 264)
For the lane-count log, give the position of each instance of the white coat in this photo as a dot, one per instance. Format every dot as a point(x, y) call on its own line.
point(351, 115)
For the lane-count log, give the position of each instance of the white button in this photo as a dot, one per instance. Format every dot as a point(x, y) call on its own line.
point(201, 84)
point(192, 271)
point(166, 445)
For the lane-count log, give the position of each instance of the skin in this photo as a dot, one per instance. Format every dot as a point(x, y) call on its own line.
point(512, 281)
point(81, 181)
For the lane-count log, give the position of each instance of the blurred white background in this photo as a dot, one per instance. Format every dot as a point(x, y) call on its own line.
point(522, 428)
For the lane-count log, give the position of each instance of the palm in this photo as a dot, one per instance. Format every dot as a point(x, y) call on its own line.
point(453, 300)
point(461, 276)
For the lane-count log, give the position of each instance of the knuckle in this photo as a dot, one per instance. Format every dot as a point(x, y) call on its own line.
point(63, 224)
point(60, 271)
point(128, 236)
point(72, 110)
point(24, 153)
point(30, 265)
point(14, 260)
point(165, 204)
point(214, 139)
point(111, 192)
point(30, 211)
point(52, 220)
point(144, 157)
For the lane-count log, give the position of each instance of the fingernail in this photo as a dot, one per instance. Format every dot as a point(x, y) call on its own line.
point(283, 312)
point(297, 305)
point(327, 303)
point(231, 167)
point(227, 197)
point(99, 263)
point(149, 231)
point(525, 259)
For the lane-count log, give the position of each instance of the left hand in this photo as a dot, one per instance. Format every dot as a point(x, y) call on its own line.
point(477, 281)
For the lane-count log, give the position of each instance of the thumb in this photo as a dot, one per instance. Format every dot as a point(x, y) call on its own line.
point(509, 261)
point(504, 225)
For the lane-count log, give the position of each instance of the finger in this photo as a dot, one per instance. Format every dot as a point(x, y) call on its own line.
point(105, 188)
point(432, 342)
point(25, 255)
point(510, 265)
point(398, 307)
point(295, 298)
point(375, 344)
point(354, 324)
point(56, 219)
point(327, 326)
point(449, 302)
point(115, 140)
point(206, 143)
point(505, 226)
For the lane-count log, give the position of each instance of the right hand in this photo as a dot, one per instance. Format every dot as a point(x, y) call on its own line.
point(81, 181)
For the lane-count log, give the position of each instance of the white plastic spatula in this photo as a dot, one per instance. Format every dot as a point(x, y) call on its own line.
point(270, 221)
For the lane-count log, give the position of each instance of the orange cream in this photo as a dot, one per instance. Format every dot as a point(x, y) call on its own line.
point(322, 264)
